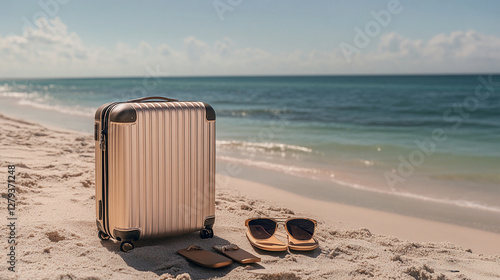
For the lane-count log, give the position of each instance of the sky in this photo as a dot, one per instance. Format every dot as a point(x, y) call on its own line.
point(70, 38)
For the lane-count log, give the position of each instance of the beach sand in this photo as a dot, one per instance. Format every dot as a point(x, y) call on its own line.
point(57, 236)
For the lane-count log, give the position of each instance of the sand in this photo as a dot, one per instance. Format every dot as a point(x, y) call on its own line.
point(352, 217)
point(57, 236)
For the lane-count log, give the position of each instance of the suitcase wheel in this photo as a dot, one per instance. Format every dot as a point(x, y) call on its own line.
point(103, 236)
point(206, 233)
point(126, 246)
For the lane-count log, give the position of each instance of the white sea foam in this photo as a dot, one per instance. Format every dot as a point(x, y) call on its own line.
point(4, 87)
point(69, 110)
point(317, 174)
point(14, 94)
point(460, 203)
point(42, 101)
point(267, 147)
point(8, 91)
point(289, 169)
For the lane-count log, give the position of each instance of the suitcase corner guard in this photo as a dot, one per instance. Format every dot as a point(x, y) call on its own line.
point(126, 234)
point(123, 113)
point(210, 112)
point(209, 222)
point(99, 227)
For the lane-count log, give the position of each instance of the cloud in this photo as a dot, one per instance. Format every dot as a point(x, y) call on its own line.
point(458, 51)
point(196, 49)
point(50, 50)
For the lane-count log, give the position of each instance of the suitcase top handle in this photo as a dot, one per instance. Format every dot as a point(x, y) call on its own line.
point(150, 98)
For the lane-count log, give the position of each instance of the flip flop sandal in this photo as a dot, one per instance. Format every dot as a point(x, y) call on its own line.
point(302, 245)
point(236, 254)
point(205, 258)
point(269, 244)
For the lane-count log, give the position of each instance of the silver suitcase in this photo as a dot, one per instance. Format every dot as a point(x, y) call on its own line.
point(154, 169)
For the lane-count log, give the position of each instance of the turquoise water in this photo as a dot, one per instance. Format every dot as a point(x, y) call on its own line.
point(357, 131)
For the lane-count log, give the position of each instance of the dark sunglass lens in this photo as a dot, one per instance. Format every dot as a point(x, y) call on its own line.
point(262, 228)
point(300, 229)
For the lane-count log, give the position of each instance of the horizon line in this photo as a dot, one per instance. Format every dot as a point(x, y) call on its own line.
point(246, 76)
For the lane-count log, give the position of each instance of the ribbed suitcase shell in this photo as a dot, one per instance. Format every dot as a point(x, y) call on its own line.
point(161, 170)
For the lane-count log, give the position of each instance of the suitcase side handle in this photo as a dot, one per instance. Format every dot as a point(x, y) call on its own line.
point(150, 98)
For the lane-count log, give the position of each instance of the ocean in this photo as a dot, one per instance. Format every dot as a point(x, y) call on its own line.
point(425, 138)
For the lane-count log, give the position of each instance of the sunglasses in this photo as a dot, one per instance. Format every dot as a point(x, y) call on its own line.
point(298, 228)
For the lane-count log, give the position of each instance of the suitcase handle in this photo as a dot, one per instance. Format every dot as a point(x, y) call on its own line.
point(151, 97)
